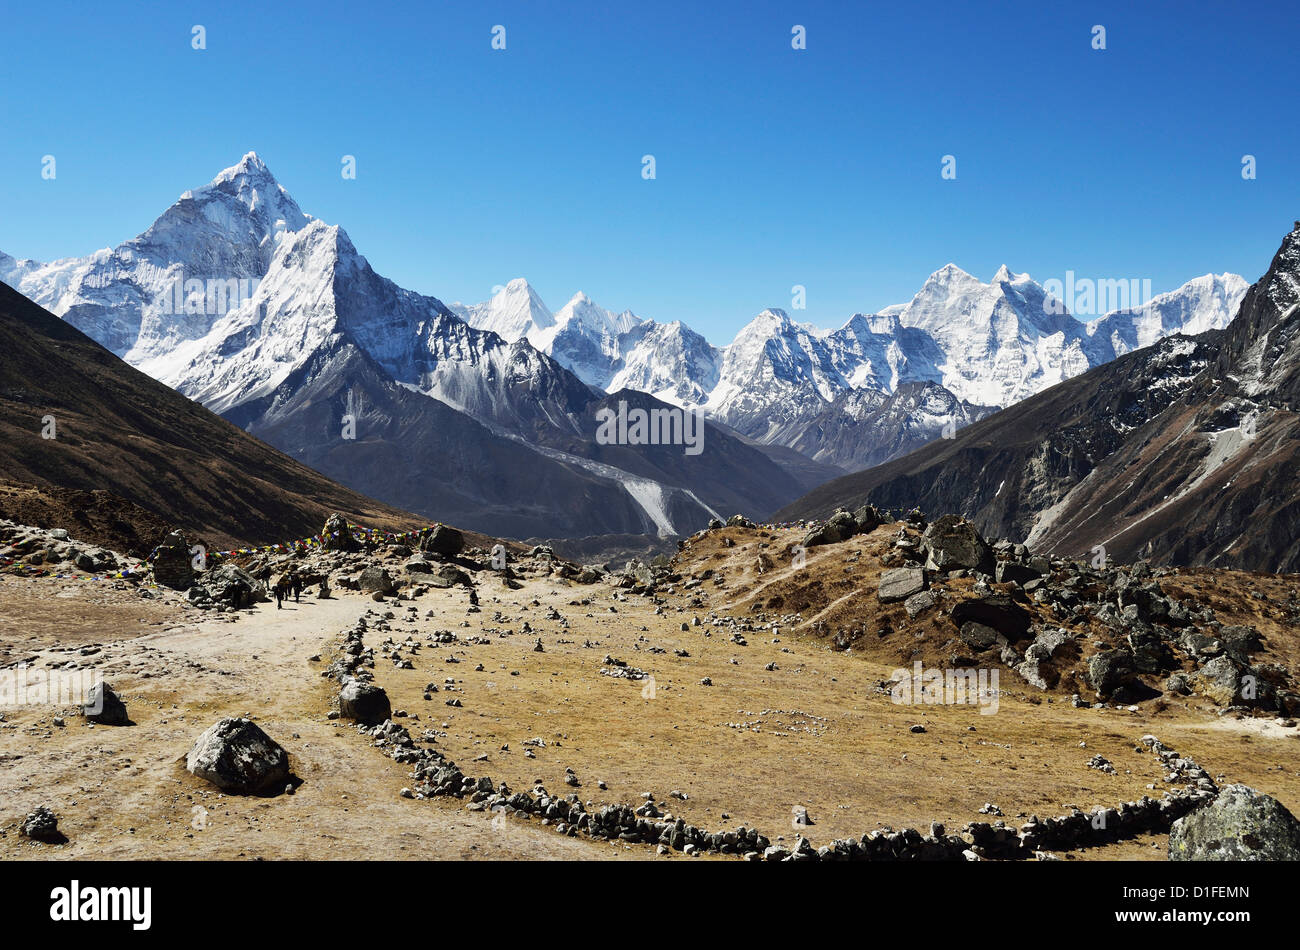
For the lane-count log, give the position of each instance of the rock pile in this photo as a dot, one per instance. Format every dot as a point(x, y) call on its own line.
point(53, 550)
point(1149, 642)
point(42, 825)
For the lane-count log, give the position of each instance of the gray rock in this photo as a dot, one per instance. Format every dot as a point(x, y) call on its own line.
point(1240, 824)
point(1010, 572)
point(918, 604)
point(951, 543)
point(105, 707)
point(1110, 670)
point(866, 519)
point(901, 583)
point(1177, 683)
point(375, 579)
point(364, 702)
point(978, 636)
point(997, 611)
point(443, 540)
point(1218, 679)
point(237, 756)
point(825, 534)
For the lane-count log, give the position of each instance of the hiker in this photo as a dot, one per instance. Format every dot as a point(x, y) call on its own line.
point(279, 594)
point(295, 582)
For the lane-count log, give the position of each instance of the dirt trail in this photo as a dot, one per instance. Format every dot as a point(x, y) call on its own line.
point(124, 793)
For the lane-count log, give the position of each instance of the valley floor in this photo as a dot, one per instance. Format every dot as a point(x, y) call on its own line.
point(815, 731)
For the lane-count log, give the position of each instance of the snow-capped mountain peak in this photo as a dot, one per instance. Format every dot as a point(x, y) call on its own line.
point(514, 312)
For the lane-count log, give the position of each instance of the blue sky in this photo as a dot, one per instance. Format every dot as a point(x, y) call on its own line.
point(775, 167)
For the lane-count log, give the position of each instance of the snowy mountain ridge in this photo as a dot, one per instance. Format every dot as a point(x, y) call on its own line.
point(288, 284)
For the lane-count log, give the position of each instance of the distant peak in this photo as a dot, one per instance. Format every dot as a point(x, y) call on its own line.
point(951, 273)
point(250, 161)
point(250, 166)
point(767, 321)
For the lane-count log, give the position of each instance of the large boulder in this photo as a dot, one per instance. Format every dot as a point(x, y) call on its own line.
point(866, 519)
point(375, 579)
point(448, 576)
point(417, 566)
point(105, 707)
point(172, 566)
point(951, 543)
point(1219, 679)
point(1240, 824)
point(365, 703)
point(444, 541)
point(1013, 572)
point(237, 756)
point(1229, 683)
point(1240, 642)
point(843, 522)
point(979, 636)
point(1150, 653)
point(822, 534)
point(994, 610)
point(901, 583)
point(1109, 671)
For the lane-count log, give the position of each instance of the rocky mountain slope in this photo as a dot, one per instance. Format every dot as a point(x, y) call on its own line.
point(1184, 452)
point(125, 449)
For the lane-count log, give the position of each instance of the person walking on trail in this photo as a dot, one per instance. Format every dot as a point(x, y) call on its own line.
point(279, 594)
point(297, 587)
